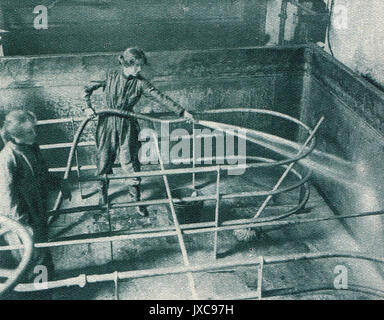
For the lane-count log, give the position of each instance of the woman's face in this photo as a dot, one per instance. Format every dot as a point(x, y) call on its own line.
point(134, 69)
point(28, 133)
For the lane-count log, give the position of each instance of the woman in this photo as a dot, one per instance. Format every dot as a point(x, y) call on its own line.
point(24, 183)
point(123, 88)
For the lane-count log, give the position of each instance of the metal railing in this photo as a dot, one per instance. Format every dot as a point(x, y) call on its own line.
point(179, 230)
point(260, 262)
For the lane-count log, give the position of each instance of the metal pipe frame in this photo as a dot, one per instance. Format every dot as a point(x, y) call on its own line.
point(302, 180)
point(12, 276)
point(217, 209)
point(152, 119)
point(195, 228)
point(262, 261)
point(179, 233)
point(288, 169)
point(265, 163)
point(177, 229)
point(123, 114)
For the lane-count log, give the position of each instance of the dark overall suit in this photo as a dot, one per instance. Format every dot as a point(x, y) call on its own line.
point(24, 185)
point(114, 133)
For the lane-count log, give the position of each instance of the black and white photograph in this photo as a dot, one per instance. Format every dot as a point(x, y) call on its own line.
point(205, 151)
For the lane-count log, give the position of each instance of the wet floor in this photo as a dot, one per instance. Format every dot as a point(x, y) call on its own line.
point(99, 258)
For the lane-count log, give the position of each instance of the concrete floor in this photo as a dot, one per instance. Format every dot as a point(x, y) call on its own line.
point(164, 252)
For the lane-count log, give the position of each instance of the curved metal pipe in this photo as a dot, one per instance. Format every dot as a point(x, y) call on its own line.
point(203, 227)
point(27, 246)
point(126, 114)
point(84, 279)
point(316, 290)
point(261, 111)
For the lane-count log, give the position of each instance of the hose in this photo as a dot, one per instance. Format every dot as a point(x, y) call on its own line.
point(126, 114)
point(82, 126)
point(329, 27)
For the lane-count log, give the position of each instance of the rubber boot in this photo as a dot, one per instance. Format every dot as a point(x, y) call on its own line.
point(103, 193)
point(133, 181)
point(135, 191)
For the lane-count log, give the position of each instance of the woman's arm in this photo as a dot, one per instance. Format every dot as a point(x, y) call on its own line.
point(151, 92)
point(88, 90)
